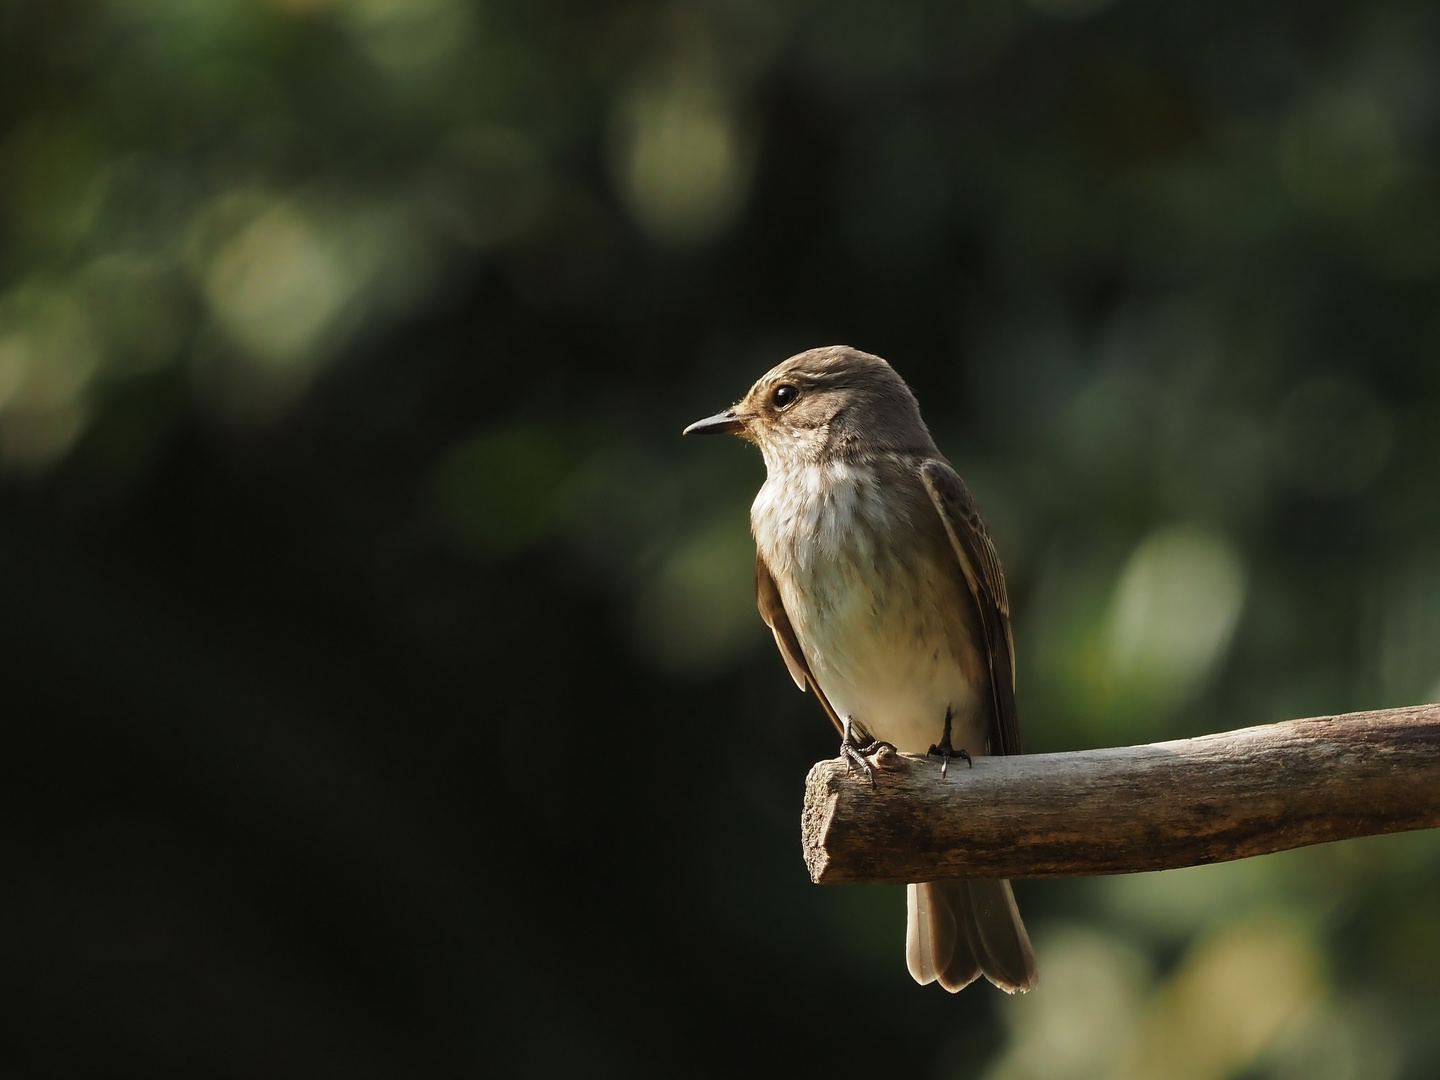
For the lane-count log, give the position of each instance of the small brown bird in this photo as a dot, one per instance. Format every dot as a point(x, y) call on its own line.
point(885, 594)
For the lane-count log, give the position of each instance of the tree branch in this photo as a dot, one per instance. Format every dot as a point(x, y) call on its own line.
point(1122, 810)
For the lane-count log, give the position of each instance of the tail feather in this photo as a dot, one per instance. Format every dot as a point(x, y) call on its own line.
point(920, 935)
point(936, 943)
point(1009, 959)
point(961, 928)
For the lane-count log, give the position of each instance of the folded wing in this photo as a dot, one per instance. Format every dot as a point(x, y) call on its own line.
point(772, 610)
point(981, 566)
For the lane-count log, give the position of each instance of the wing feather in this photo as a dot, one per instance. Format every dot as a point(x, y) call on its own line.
point(772, 610)
point(981, 565)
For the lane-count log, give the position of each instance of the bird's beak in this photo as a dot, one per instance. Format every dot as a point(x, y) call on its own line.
point(722, 423)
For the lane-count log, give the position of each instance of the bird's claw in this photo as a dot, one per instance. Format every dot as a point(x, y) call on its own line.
point(945, 750)
point(857, 755)
point(946, 753)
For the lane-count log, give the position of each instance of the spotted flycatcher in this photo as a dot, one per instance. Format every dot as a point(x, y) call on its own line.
point(885, 594)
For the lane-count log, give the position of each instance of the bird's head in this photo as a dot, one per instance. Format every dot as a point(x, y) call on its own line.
point(822, 405)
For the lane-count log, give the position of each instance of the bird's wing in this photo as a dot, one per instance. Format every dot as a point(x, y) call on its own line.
point(772, 610)
point(981, 565)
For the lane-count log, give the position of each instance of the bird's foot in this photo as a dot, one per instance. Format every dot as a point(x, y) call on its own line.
point(856, 754)
point(945, 750)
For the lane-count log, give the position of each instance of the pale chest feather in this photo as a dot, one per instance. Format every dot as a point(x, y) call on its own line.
point(875, 599)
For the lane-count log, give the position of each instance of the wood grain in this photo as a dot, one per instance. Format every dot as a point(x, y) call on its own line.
point(1127, 809)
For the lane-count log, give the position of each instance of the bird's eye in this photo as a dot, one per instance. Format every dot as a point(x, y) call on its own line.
point(784, 396)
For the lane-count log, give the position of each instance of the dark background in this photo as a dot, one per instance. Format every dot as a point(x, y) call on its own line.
point(382, 689)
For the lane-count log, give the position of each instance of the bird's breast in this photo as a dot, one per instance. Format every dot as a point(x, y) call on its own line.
point(876, 600)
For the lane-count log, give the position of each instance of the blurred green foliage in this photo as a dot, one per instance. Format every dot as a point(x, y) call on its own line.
point(384, 683)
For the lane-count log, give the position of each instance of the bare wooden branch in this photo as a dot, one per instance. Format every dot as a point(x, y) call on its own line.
point(1121, 810)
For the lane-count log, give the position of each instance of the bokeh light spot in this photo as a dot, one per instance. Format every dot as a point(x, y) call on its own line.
point(680, 158)
point(1090, 1011)
point(1175, 607)
point(276, 284)
point(405, 37)
point(697, 611)
point(1231, 1000)
point(48, 358)
point(1338, 153)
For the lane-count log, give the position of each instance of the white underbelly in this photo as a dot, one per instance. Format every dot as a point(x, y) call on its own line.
point(889, 662)
point(910, 715)
point(881, 634)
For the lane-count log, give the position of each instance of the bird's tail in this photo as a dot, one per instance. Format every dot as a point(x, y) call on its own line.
point(959, 929)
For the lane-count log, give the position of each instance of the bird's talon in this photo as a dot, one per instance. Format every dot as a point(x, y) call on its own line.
point(853, 758)
point(858, 755)
point(945, 750)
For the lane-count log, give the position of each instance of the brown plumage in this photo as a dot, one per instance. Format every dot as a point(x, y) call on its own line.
point(879, 580)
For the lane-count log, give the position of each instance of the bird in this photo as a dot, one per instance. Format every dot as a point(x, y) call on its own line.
point(885, 595)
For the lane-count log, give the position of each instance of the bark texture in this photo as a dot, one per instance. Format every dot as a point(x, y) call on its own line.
point(1126, 809)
